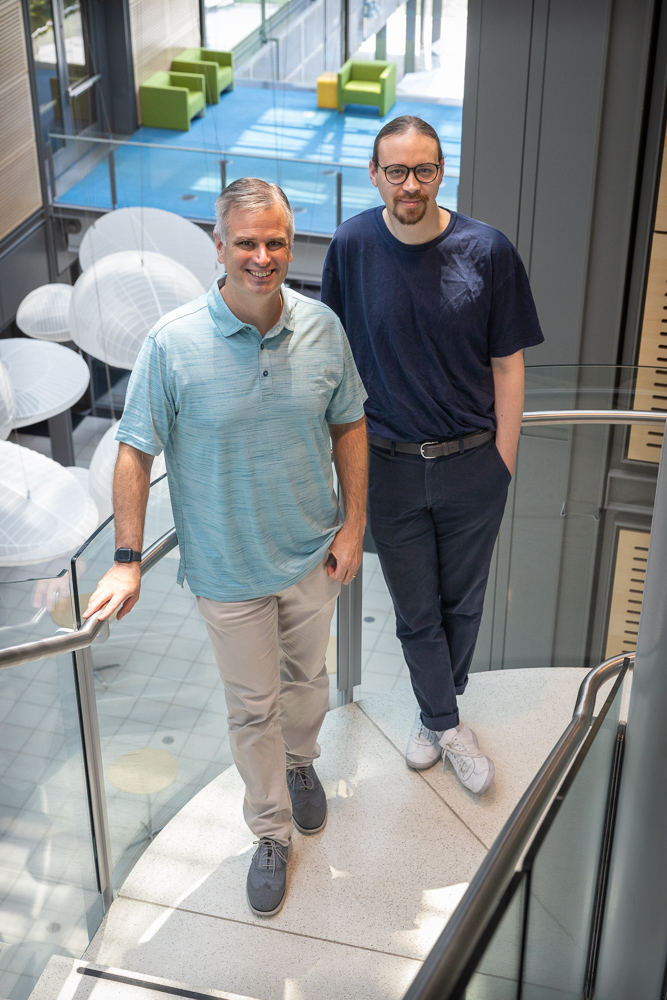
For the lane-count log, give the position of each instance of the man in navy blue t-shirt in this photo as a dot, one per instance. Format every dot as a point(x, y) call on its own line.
point(438, 310)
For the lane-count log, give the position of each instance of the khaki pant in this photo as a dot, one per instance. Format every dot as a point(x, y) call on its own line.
point(275, 709)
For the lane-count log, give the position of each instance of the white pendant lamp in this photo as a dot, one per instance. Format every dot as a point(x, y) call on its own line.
point(119, 298)
point(154, 230)
point(45, 512)
point(46, 379)
point(100, 473)
point(6, 404)
point(43, 314)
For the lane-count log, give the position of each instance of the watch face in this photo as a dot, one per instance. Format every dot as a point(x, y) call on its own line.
point(123, 555)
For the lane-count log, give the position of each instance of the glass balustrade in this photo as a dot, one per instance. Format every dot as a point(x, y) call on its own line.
point(95, 173)
point(162, 717)
point(49, 900)
point(541, 940)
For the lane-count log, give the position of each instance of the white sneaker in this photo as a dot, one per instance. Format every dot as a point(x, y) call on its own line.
point(423, 749)
point(473, 769)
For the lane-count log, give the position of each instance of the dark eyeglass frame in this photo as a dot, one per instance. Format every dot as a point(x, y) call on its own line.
point(410, 170)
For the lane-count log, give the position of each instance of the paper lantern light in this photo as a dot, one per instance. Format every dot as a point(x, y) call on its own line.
point(6, 404)
point(154, 230)
point(44, 313)
point(100, 473)
point(118, 299)
point(46, 378)
point(45, 512)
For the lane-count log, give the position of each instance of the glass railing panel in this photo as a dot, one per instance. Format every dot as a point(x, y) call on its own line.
point(498, 973)
point(590, 387)
point(49, 901)
point(160, 701)
point(34, 607)
point(564, 864)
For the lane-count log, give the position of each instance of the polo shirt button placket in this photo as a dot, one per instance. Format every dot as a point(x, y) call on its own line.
point(264, 370)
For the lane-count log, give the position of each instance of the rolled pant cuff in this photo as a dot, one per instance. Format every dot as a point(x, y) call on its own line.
point(440, 722)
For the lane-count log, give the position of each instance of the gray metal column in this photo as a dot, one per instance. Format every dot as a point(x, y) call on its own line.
point(60, 432)
point(381, 43)
point(634, 936)
point(410, 26)
point(437, 20)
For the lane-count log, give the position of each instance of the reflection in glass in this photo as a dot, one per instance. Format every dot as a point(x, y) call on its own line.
point(48, 890)
point(499, 970)
point(564, 874)
point(46, 63)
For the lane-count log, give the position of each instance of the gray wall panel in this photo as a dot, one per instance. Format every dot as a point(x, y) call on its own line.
point(551, 144)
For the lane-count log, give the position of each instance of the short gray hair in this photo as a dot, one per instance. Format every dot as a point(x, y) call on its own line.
point(254, 195)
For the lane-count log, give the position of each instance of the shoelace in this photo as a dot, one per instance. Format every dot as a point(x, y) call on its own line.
point(423, 734)
point(267, 860)
point(303, 775)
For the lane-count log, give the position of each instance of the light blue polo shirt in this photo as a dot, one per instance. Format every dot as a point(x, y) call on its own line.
point(243, 423)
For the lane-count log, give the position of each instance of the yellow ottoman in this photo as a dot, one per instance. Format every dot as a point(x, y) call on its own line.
point(327, 90)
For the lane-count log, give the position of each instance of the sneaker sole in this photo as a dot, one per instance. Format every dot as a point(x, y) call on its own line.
point(309, 833)
point(268, 913)
point(422, 767)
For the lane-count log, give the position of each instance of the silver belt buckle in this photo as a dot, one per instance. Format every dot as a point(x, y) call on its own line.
point(426, 445)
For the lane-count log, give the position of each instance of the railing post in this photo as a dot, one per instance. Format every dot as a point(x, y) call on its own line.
point(339, 198)
point(349, 638)
point(92, 750)
point(223, 174)
point(112, 178)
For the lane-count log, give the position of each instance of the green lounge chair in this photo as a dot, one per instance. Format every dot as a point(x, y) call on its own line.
point(171, 100)
point(217, 67)
point(370, 81)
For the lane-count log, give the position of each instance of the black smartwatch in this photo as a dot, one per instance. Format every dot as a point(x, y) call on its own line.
point(127, 555)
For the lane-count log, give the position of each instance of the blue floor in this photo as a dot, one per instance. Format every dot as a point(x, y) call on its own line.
point(279, 124)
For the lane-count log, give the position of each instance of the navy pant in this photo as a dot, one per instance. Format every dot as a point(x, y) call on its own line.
point(435, 523)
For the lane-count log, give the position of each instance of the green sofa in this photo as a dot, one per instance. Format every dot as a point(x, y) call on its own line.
point(171, 100)
point(370, 81)
point(217, 67)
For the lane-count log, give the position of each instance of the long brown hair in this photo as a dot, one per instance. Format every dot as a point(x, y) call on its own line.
point(405, 123)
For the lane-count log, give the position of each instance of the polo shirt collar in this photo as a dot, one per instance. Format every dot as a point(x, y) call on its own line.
point(229, 324)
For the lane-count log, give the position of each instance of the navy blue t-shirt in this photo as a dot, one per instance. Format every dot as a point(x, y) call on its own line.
point(424, 321)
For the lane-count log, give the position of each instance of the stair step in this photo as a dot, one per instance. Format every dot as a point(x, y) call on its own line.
point(67, 979)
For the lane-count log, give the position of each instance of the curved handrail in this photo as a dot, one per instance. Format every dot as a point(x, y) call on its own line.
point(451, 953)
point(543, 417)
point(82, 637)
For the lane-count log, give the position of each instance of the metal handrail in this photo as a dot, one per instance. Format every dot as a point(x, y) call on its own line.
point(82, 637)
point(453, 950)
point(542, 417)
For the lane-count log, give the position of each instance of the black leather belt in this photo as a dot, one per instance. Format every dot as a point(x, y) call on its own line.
point(434, 449)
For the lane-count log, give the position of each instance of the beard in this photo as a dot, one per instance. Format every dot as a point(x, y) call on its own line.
point(409, 216)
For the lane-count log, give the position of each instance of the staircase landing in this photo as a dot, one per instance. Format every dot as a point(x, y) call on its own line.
point(369, 896)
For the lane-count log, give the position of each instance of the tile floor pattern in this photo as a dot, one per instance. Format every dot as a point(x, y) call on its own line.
point(368, 898)
point(157, 689)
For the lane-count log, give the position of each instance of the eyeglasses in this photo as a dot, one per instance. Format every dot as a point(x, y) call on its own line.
point(396, 173)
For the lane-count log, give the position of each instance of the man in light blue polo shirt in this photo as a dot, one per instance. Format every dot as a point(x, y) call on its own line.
point(247, 389)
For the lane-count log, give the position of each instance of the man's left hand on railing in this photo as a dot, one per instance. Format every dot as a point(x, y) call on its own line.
point(118, 590)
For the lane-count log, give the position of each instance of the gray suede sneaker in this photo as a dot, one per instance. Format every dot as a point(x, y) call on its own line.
point(267, 875)
point(309, 803)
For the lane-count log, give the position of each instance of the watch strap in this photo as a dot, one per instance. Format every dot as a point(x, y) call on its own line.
point(127, 555)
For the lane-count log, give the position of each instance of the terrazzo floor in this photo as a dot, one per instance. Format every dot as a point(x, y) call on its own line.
point(368, 897)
